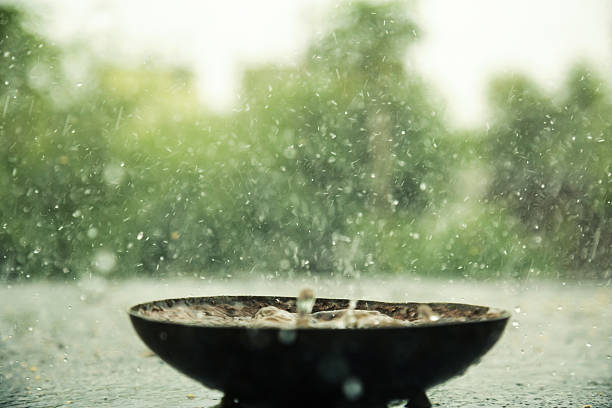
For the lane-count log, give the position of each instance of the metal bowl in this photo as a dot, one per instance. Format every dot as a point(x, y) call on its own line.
point(321, 366)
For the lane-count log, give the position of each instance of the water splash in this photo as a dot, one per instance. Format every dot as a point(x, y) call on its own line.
point(305, 301)
point(425, 313)
point(304, 304)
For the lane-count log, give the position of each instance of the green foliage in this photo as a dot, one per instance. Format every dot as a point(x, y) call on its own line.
point(348, 133)
point(553, 162)
point(342, 165)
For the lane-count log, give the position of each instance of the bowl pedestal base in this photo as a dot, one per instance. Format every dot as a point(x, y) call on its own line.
point(417, 400)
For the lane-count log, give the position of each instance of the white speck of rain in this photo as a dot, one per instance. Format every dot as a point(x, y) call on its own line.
point(287, 336)
point(113, 174)
point(104, 261)
point(352, 388)
point(92, 232)
point(290, 152)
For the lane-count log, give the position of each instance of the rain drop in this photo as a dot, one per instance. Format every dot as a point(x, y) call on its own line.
point(104, 261)
point(352, 389)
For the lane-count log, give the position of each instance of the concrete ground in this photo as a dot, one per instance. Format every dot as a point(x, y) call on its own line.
point(72, 345)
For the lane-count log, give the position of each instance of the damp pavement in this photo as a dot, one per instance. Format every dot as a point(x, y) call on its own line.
point(72, 345)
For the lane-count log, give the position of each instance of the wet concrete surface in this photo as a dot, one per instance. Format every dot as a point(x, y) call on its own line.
point(73, 345)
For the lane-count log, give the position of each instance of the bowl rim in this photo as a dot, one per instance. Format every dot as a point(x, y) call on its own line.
point(133, 312)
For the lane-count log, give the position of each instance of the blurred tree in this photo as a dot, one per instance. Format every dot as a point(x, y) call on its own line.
point(552, 160)
point(84, 165)
point(27, 71)
point(340, 164)
point(345, 139)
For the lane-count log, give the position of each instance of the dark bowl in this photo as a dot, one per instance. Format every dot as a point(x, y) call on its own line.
point(321, 366)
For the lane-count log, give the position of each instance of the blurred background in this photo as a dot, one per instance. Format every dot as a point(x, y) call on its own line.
point(456, 140)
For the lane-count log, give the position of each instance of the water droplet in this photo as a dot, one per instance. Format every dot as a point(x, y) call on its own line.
point(517, 309)
point(305, 301)
point(426, 313)
point(349, 319)
point(140, 235)
point(92, 233)
point(290, 152)
point(104, 261)
point(515, 325)
point(352, 388)
point(287, 336)
point(113, 174)
point(423, 186)
point(79, 84)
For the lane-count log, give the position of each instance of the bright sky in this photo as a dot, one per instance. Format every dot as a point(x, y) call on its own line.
point(465, 42)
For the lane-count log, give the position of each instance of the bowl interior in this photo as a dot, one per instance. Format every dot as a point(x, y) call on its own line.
point(202, 311)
